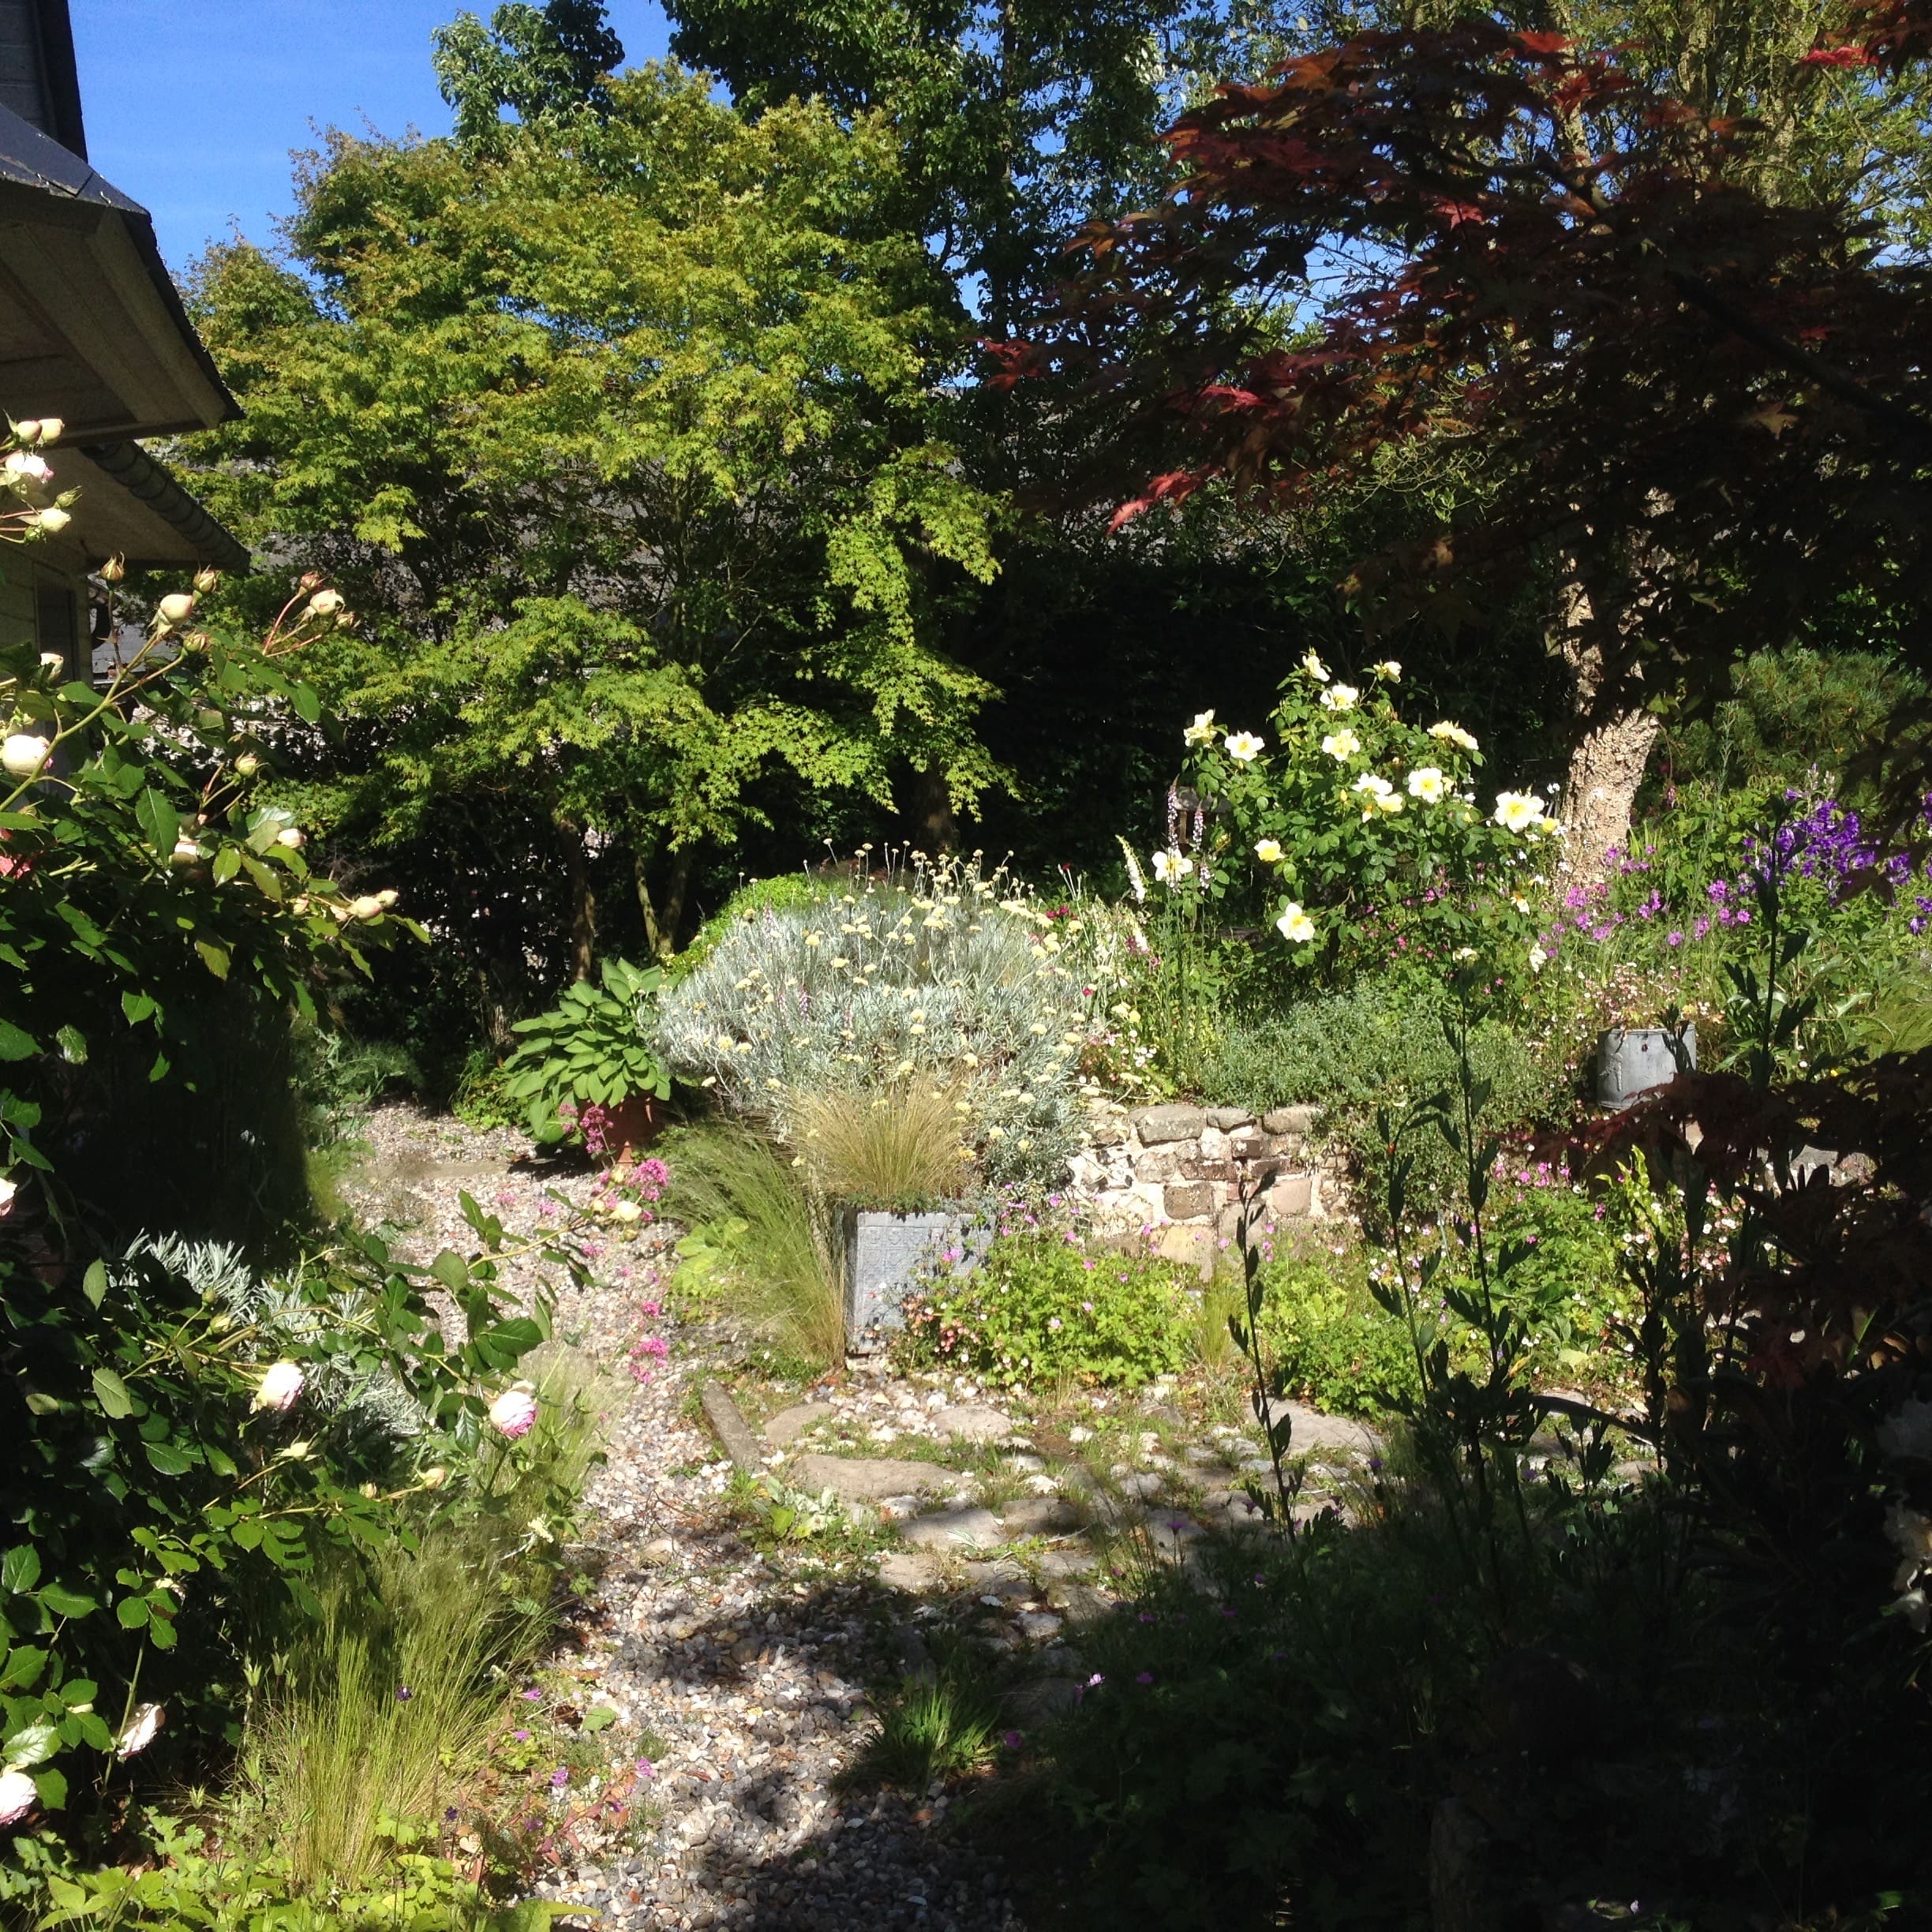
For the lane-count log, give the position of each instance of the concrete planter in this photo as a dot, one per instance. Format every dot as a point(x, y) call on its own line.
point(884, 1253)
point(1634, 1061)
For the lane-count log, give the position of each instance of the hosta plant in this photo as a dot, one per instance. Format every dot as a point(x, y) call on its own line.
point(596, 1048)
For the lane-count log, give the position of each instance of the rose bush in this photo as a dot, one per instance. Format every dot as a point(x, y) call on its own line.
point(1362, 837)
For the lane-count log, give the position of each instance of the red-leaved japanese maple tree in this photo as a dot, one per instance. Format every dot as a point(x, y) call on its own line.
point(1701, 417)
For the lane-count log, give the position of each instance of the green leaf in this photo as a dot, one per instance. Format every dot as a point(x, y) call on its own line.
point(227, 863)
point(15, 1045)
point(131, 1612)
point(51, 1785)
point(64, 1602)
point(166, 1459)
point(451, 1269)
point(35, 1745)
point(213, 957)
point(94, 1283)
point(20, 1568)
point(112, 1393)
point(158, 820)
point(599, 1717)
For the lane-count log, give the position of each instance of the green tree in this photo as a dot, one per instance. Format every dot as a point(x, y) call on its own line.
point(619, 432)
point(538, 62)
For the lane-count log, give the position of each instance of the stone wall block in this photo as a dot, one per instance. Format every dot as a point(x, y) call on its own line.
point(1293, 1120)
point(1227, 1119)
point(1292, 1198)
point(1160, 1164)
point(1188, 1200)
point(1159, 1124)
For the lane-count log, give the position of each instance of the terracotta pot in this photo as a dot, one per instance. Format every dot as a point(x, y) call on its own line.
point(633, 1124)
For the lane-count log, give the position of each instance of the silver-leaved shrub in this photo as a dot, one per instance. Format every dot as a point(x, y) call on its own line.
point(952, 977)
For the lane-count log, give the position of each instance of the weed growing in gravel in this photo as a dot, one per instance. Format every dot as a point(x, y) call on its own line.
point(930, 1728)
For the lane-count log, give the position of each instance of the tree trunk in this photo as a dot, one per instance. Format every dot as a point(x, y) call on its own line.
point(935, 826)
point(1606, 768)
point(583, 902)
point(1614, 739)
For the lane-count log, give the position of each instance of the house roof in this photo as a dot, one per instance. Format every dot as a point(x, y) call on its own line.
point(92, 329)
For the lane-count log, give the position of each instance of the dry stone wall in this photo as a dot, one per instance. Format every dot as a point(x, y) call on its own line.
point(1180, 1169)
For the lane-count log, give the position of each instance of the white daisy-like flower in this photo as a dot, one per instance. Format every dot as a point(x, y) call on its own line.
point(1243, 748)
point(1427, 784)
point(1339, 698)
point(1452, 733)
point(1518, 811)
point(1170, 866)
point(1202, 730)
point(1341, 744)
point(1295, 925)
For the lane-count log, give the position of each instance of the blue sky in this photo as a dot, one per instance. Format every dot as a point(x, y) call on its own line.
point(193, 106)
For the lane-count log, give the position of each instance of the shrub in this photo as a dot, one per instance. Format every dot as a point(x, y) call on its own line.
point(1361, 838)
point(765, 1241)
point(1331, 1342)
point(898, 1150)
point(942, 980)
point(1039, 1308)
point(783, 893)
point(1381, 1044)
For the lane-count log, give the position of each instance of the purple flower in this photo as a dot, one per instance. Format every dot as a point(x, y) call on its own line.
point(559, 1778)
point(403, 1694)
point(1146, 1677)
point(522, 1737)
point(1012, 1740)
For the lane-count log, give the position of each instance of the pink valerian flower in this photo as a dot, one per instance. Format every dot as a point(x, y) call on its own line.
point(648, 1308)
point(514, 1412)
point(653, 1345)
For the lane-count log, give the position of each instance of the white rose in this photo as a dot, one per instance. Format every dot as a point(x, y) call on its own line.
point(292, 837)
point(280, 1388)
point(176, 608)
point(18, 1795)
point(1342, 745)
point(1451, 733)
point(139, 1732)
point(1202, 730)
point(53, 519)
point(1243, 748)
point(24, 467)
point(1295, 925)
point(8, 1190)
point(326, 603)
point(1315, 667)
point(1388, 669)
point(1518, 811)
point(1268, 850)
point(1339, 698)
point(22, 755)
point(367, 907)
point(514, 1412)
point(1427, 784)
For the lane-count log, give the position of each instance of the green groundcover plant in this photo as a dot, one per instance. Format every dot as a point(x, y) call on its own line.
point(1040, 1309)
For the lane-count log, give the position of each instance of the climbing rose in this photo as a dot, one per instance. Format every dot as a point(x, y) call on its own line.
point(1341, 744)
point(1295, 925)
point(1426, 783)
point(16, 1796)
point(1201, 730)
point(139, 1732)
point(176, 608)
point(1243, 748)
point(1315, 667)
point(1268, 850)
point(1339, 698)
point(281, 1386)
point(23, 755)
point(514, 1412)
point(1388, 668)
point(1453, 734)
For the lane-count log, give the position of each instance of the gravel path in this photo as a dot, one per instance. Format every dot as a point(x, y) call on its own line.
point(746, 1684)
